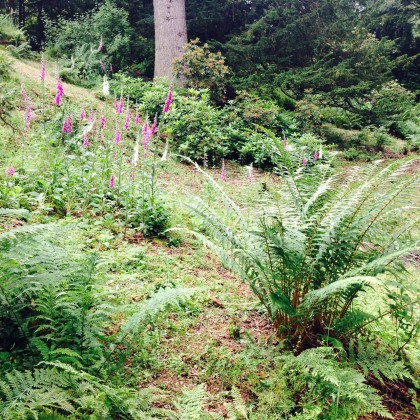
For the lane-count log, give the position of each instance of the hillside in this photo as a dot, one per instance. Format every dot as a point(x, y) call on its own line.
point(135, 288)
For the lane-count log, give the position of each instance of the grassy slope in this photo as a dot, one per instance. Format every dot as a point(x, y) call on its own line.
point(219, 337)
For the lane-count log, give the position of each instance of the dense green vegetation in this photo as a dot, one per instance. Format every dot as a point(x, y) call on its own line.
point(243, 246)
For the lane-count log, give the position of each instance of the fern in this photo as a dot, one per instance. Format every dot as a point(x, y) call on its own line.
point(158, 302)
point(19, 213)
point(190, 404)
point(237, 409)
point(60, 387)
point(371, 360)
point(339, 389)
point(316, 244)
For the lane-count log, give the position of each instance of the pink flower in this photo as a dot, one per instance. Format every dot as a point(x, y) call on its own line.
point(154, 127)
point(112, 182)
point(137, 119)
point(68, 125)
point(127, 119)
point(82, 114)
point(43, 71)
point(223, 174)
point(168, 101)
point(284, 142)
point(146, 133)
point(28, 116)
point(100, 45)
point(304, 161)
point(85, 140)
point(110, 68)
point(91, 117)
point(316, 155)
point(60, 92)
point(117, 137)
point(103, 122)
point(10, 171)
point(119, 105)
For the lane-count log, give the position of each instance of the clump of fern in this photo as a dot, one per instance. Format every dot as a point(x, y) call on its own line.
point(323, 386)
point(58, 355)
point(317, 243)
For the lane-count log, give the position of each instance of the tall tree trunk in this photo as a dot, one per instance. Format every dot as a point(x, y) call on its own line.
point(40, 23)
point(22, 15)
point(170, 35)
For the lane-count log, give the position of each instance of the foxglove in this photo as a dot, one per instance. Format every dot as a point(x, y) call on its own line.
point(60, 92)
point(127, 119)
point(103, 122)
point(112, 182)
point(117, 137)
point(168, 101)
point(10, 171)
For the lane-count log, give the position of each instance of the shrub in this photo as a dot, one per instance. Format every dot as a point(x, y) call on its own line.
point(197, 128)
point(108, 22)
point(250, 110)
point(258, 149)
point(10, 34)
point(203, 69)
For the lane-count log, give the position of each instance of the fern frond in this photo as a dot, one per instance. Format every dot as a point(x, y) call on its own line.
point(158, 302)
point(190, 404)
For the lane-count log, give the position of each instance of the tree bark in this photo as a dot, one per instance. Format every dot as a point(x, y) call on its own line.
point(170, 35)
point(22, 15)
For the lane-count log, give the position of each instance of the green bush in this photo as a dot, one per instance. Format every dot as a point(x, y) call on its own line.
point(10, 34)
point(259, 150)
point(250, 110)
point(107, 22)
point(197, 128)
point(203, 69)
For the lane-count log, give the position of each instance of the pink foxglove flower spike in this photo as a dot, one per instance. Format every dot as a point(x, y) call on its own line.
point(103, 122)
point(168, 101)
point(28, 116)
point(127, 118)
point(137, 118)
point(10, 171)
point(112, 182)
point(154, 128)
point(60, 92)
point(85, 141)
point(117, 137)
